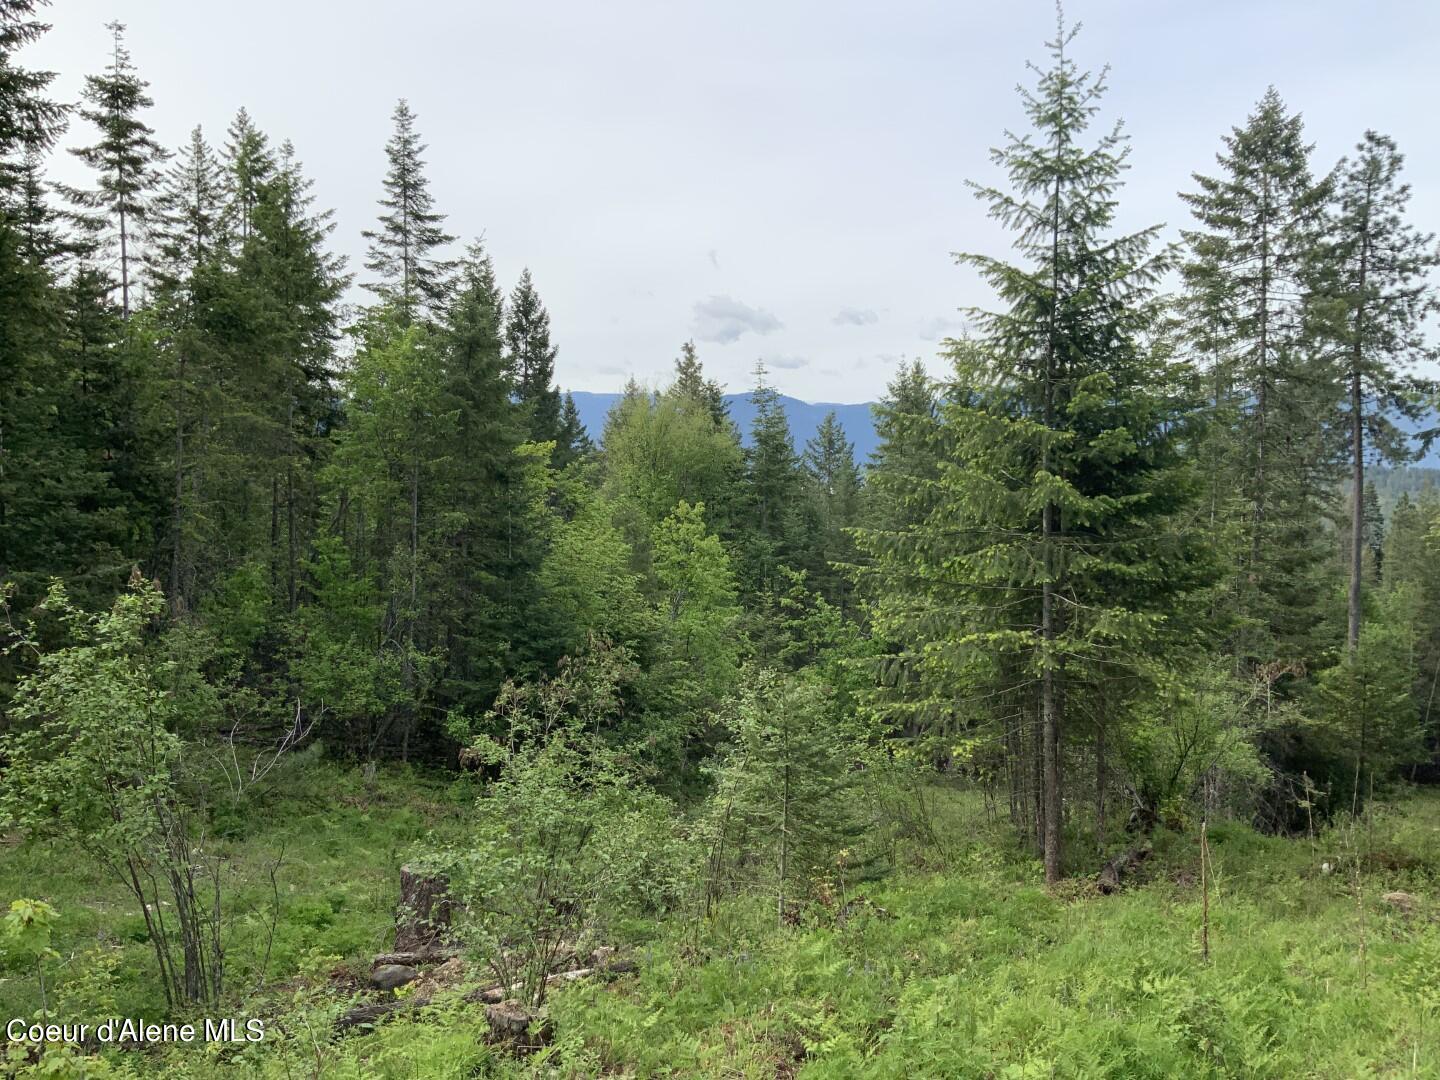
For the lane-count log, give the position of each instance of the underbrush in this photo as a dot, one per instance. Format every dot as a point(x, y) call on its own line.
point(310, 875)
point(955, 964)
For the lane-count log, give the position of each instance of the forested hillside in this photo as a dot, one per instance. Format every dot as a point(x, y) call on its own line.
point(353, 686)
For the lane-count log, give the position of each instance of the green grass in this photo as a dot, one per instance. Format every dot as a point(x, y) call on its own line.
point(976, 971)
point(333, 846)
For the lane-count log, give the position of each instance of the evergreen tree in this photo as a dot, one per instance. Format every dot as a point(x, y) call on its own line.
point(490, 551)
point(39, 225)
point(389, 468)
point(184, 232)
point(530, 360)
point(784, 804)
point(126, 161)
point(1251, 276)
point(403, 250)
point(906, 457)
point(1379, 299)
point(249, 166)
point(293, 289)
point(1049, 556)
point(772, 484)
point(29, 121)
point(690, 382)
point(33, 536)
point(831, 508)
point(1367, 715)
point(572, 440)
point(189, 280)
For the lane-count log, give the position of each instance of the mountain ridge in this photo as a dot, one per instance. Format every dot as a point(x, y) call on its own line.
point(804, 417)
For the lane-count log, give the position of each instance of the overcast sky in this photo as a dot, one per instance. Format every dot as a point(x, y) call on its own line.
point(778, 180)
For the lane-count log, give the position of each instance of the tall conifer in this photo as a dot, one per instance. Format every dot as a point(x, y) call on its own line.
point(404, 250)
point(126, 161)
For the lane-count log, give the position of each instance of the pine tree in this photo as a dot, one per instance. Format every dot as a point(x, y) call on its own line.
point(29, 121)
point(1378, 299)
point(832, 507)
point(1368, 712)
point(1049, 556)
point(126, 161)
point(1251, 276)
point(293, 286)
point(530, 360)
point(403, 250)
point(33, 536)
point(572, 440)
point(690, 382)
point(488, 547)
point(772, 484)
point(186, 210)
point(189, 278)
point(39, 225)
point(249, 166)
point(784, 792)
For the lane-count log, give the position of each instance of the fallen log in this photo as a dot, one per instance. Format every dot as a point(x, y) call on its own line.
point(368, 1015)
point(1114, 871)
point(415, 958)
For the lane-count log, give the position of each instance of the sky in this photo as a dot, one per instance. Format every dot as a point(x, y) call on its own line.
point(777, 180)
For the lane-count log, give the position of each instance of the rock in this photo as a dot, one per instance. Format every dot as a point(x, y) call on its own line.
point(1402, 902)
point(424, 913)
point(389, 976)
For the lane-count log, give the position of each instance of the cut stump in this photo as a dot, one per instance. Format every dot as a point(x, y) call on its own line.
point(423, 917)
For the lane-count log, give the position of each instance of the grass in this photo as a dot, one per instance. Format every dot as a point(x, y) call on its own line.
point(960, 965)
point(333, 844)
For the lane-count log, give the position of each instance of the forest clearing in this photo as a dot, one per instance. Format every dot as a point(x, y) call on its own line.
point(364, 714)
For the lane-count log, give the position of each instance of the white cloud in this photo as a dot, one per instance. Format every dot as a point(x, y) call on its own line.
point(723, 319)
point(787, 363)
point(940, 327)
point(849, 316)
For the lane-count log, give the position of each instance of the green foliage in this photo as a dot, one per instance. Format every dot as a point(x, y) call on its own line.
point(530, 364)
point(1198, 729)
point(1366, 721)
point(664, 449)
point(95, 763)
point(589, 578)
point(564, 841)
point(783, 807)
point(411, 278)
point(1252, 276)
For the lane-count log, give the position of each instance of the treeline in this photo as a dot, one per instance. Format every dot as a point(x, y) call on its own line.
point(1110, 563)
point(370, 518)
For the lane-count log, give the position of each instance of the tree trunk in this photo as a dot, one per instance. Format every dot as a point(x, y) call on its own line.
point(177, 523)
point(1357, 450)
point(1100, 781)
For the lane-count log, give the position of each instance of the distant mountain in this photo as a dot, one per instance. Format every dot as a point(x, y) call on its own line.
point(857, 420)
point(804, 418)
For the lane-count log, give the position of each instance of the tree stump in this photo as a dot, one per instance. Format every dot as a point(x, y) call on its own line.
point(508, 1020)
point(424, 913)
point(1126, 862)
